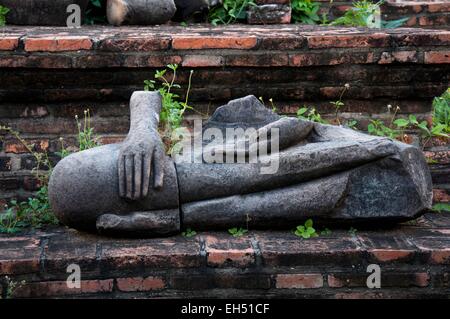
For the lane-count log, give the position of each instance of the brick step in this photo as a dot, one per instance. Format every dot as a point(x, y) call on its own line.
point(414, 260)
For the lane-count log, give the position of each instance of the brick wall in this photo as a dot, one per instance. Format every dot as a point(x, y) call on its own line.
point(49, 75)
point(413, 259)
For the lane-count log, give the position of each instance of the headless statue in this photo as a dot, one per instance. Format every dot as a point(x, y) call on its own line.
point(328, 173)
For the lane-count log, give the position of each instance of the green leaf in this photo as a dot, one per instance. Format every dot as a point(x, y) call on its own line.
point(308, 223)
point(441, 207)
point(401, 122)
point(413, 119)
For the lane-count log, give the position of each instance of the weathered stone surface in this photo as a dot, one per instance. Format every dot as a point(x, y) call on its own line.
point(140, 12)
point(318, 171)
point(269, 14)
point(40, 12)
point(329, 173)
point(132, 176)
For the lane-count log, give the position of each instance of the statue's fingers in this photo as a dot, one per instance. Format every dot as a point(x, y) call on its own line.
point(137, 176)
point(158, 165)
point(129, 175)
point(122, 182)
point(146, 170)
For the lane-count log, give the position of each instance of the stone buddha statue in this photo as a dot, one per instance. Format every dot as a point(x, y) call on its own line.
point(324, 172)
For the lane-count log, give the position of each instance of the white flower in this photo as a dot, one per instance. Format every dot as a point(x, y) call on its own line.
point(347, 86)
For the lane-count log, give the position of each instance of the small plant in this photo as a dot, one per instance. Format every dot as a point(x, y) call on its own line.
point(272, 104)
point(310, 114)
point(325, 232)
point(306, 231)
point(189, 233)
point(362, 14)
point(352, 231)
point(173, 109)
point(441, 111)
point(352, 123)
point(230, 11)
point(339, 104)
point(11, 287)
point(441, 207)
point(86, 138)
point(305, 11)
point(237, 232)
point(3, 12)
point(35, 212)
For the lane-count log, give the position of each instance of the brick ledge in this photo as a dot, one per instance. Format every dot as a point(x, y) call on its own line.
point(414, 259)
point(206, 46)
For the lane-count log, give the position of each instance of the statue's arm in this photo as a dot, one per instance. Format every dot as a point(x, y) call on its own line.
point(141, 157)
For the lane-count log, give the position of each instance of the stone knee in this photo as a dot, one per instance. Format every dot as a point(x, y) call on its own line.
point(84, 185)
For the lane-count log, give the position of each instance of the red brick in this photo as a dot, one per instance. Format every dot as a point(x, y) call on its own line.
point(135, 44)
point(259, 60)
point(35, 61)
point(440, 256)
point(438, 7)
point(195, 61)
point(391, 279)
point(433, 21)
point(140, 284)
point(411, 22)
point(111, 139)
point(422, 279)
point(337, 282)
point(217, 257)
point(330, 58)
point(31, 183)
point(18, 266)
point(221, 251)
point(442, 38)
point(400, 56)
point(58, 44)
point(348, 41)
point(59, 288)
point(156, 61)
point(441, 196)
point(207, 42)
point(282, 43)
point(388, 255)
point(299, 281)
point(437, 57)
point(9, 43)
point(14, 146)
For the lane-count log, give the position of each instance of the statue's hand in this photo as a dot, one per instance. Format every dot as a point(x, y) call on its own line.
point(141, 161)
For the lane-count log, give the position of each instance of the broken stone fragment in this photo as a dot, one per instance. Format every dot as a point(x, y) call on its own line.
point(269, 14)
point(139, 12)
